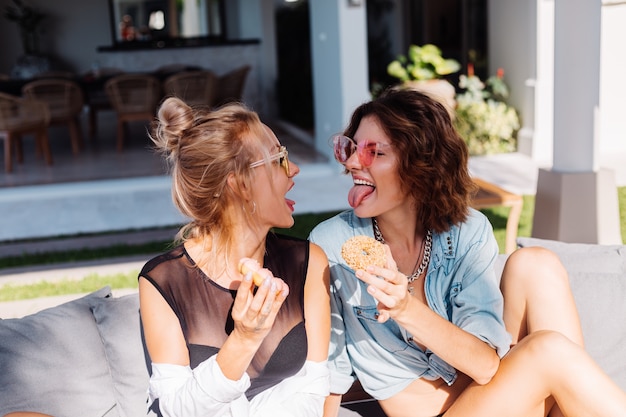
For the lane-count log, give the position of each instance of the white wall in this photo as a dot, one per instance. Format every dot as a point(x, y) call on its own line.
point(521, 40)
point(513, 47)
point(340, 73)
point(73, 30)
point(612, 73)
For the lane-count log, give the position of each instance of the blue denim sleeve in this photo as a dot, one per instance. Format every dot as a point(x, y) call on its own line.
point(477, 305)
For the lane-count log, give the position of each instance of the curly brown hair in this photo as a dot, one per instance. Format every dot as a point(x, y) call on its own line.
point(433, 158)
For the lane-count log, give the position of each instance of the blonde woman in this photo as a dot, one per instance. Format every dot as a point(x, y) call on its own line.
point(219, 343)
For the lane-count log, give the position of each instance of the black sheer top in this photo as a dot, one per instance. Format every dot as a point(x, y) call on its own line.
point(203, 309)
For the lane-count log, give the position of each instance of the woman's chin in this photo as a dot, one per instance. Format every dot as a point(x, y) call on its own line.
point(362, 212)
point(287, 224)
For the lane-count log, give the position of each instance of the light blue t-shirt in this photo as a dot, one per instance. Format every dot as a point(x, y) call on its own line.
point(461, 286)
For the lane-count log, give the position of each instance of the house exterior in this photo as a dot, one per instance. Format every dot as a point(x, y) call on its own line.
point(562, 58)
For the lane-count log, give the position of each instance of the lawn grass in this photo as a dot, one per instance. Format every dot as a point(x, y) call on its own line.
point(90, 283)
point(303, 225)
point(79, 255)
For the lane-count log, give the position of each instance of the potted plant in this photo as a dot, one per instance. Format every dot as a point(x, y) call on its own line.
point(424, 69)
point(29, 21)
point(483, 118)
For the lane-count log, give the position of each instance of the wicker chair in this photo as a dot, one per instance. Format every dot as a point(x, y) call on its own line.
point(65, 102)
point(194, 87)
point(134, 97)
point(19, 116)
point(230, 85)
point(96, 97)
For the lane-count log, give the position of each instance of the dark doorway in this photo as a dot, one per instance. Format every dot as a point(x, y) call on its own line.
point(379, 52)
point(294, 86)
point(458, 27)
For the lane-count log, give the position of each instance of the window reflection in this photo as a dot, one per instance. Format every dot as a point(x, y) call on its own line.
point(148, 20)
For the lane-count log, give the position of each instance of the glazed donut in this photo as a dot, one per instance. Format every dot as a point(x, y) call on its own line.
point(359, 252)
point(250, 265)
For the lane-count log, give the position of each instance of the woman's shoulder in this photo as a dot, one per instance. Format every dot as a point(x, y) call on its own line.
point(475, 230)
point(340, 227)
point(475, 222)
point(478, 219)
point(173, 254)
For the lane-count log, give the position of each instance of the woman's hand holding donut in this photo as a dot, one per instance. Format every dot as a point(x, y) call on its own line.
point(388, 286)
point(254, 312)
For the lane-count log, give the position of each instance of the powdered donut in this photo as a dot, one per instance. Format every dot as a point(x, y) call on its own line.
point(359, 252)
point(250, 265)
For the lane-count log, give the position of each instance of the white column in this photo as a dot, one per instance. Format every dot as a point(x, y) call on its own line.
point(576, 201)
point(340, 69)
point(542, 142)
point(612, 85)
point(576, 84)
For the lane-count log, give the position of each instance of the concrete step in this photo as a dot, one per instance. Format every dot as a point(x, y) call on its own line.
point(67, 209)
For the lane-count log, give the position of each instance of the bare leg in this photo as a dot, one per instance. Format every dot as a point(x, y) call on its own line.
point(537, 296)
point(544, 365)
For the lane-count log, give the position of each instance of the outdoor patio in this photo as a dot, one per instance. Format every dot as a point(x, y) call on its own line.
point(100, 160)
point(84, 185)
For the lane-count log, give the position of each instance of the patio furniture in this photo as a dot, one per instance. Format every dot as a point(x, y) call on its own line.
point(19, 116)
point(65, 102)
point(134, 97)
point(167, 70)
point(490, 195)
point(194, 87)
point(96, 98)
point(230, 85)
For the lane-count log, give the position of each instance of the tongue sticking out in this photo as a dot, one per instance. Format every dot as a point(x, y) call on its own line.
point(358, 193)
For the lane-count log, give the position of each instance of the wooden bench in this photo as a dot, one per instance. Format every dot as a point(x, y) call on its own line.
point(490, 195)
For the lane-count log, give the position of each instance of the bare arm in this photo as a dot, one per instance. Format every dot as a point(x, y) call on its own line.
point(460, 349)
point(331, 405)
point(163, 335)
point(317, 305)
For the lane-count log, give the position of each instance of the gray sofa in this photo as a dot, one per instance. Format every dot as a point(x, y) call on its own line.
point(85, 357)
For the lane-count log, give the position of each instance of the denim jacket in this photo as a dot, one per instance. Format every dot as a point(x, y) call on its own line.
point(461, 286)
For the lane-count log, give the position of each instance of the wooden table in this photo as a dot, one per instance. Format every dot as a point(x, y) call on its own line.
point(490, 195)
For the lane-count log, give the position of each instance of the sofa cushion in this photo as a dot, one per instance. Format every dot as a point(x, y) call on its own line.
point(53, 362)
point(598, 280)
point(118, 323)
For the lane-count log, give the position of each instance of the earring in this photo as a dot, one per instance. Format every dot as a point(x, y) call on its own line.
point(253, 208)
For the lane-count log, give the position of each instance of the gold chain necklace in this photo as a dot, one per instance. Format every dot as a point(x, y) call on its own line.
point(427, 249)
